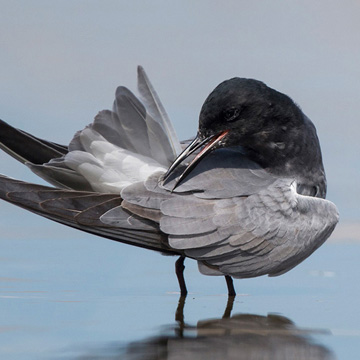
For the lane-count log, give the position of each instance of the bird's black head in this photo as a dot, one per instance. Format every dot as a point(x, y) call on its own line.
point(269, 127)
point(256, 116)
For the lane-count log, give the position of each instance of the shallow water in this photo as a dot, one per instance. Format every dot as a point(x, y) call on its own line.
point(67, 295)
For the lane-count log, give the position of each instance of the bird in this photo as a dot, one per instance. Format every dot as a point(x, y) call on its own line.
point(245, 197)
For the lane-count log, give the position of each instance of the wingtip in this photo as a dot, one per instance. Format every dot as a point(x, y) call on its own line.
point(141, 75)
point(121, 91)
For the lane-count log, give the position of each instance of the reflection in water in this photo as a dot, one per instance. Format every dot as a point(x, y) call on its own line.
point(241, 336)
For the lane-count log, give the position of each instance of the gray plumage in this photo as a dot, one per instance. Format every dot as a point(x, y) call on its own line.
point(234, 234)
point(250, 203)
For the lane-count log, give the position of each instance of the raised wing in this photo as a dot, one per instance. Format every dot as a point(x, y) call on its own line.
point(120, 147)
point(157, 112)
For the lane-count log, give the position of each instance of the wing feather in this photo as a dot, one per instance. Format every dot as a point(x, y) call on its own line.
point(72, 208)
point(167, 135)
point(224, 173)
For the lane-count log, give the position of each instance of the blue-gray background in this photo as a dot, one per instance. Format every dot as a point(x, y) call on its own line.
point(60, 63)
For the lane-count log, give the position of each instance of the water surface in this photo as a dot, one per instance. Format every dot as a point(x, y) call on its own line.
point(67, 295)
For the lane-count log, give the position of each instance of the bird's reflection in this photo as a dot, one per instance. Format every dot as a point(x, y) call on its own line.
point(241, 336)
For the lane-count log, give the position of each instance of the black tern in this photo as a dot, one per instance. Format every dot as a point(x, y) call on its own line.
point(245, 198)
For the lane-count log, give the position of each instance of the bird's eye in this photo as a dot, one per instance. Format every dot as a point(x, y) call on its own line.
point(231, 114)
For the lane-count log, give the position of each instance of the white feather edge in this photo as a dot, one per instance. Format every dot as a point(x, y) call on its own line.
point(107, 167)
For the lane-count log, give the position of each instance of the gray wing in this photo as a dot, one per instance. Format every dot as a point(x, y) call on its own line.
point(157, 112)
point(121, 146)
point(264, 227)
point(141, 128)
point(102, 153)
point(265, 233)
point(83, 210)
point(224, 173)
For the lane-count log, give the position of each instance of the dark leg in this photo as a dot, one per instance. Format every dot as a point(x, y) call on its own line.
point(179, 269)
point(230, 285)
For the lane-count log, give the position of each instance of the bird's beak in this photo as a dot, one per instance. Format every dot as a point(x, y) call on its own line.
point(209, 143)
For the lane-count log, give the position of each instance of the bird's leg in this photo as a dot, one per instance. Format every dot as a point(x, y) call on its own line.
point(230, 285)
point(179, 269)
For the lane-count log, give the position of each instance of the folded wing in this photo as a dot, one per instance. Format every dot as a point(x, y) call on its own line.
point(254, 226)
